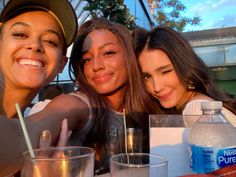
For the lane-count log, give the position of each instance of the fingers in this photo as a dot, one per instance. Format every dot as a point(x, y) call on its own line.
point(45, 139)
point(64, 134)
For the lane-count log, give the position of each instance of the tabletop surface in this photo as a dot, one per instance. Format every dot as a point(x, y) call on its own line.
point(104, 175)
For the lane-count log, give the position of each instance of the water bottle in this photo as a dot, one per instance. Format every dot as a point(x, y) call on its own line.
point(212, 140)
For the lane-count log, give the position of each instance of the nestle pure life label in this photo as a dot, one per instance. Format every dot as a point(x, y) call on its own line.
point(207, 159)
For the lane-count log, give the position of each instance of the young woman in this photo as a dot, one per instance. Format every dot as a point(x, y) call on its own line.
point(175, 75)
point(31, 54)
point(104, 66)
point(34, 36)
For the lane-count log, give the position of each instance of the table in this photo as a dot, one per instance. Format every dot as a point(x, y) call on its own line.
point(104, 175)
point(138, 172)
point(229, 171)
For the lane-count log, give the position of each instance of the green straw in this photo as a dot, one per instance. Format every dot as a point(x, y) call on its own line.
point(26, 135)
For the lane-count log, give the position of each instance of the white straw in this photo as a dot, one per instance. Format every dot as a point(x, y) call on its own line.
point(27, 139)
point(26, 135)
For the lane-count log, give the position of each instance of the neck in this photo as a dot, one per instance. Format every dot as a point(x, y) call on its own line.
point(186, 98)
point(116, 100)
point(10, 96)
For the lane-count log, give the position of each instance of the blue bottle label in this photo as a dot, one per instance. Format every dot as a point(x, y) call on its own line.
point(207, 159)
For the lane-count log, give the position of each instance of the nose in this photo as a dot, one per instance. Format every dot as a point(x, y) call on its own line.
point(98, 63)
point(157, 85)
point(36, 45)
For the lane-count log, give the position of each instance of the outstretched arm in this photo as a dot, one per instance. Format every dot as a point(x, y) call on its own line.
point(11, 136)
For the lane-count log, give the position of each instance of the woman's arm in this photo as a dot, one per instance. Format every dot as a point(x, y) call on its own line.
point(11, 136)
point(61, 107)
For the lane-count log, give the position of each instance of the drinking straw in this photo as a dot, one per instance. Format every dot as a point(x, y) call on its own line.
point(125, 128)
point(26, 135)
point(27, 139)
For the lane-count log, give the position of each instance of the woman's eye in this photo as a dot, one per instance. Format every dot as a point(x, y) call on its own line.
point(19, 35)
point(86, 60)
point(167, 71)
point(146, 76)
point(109, 53)
point(52, 43)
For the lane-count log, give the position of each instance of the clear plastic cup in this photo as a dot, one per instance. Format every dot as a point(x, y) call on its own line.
point(69, 161)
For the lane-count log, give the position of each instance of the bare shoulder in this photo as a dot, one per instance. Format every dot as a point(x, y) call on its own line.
point(200, 96)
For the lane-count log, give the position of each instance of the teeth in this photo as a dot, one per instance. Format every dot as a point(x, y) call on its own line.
point(30, 62)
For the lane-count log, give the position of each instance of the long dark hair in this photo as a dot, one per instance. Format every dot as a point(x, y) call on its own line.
point(135, 100)
point(189, 67)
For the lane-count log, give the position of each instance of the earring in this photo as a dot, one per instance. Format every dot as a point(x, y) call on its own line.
point(191, 86)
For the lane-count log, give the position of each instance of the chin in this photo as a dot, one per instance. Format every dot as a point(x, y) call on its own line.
point(33, 84)
point(104, 92)
point(167, 105)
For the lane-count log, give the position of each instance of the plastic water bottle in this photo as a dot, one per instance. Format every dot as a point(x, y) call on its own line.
point(212, 140)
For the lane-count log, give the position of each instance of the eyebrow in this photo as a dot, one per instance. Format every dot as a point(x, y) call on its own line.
point(159, 69)
point(26, 25)
point(100, 47)
point(164, 67)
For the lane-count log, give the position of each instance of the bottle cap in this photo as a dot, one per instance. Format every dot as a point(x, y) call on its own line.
point(209, 105)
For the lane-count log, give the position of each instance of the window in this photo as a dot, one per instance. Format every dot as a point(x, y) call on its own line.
point(217, 55)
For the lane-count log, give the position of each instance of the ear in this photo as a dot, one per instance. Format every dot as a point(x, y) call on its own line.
point(63, 63)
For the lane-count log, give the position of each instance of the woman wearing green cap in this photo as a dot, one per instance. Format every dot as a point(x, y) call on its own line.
point(34, 36)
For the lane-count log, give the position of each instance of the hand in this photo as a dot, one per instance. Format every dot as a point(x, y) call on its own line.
point(46, 137)
point(64, 134)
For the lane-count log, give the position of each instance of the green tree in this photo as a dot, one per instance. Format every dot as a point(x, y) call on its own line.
point(114, 10)
point(168, 12)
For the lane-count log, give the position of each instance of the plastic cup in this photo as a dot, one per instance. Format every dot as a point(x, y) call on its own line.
point(69, 161)
point(138, 165)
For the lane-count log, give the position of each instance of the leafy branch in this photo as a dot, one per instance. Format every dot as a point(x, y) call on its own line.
point(168, 12)
point(114, 10)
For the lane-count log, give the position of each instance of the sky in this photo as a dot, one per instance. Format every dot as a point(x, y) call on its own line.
point(213, 13)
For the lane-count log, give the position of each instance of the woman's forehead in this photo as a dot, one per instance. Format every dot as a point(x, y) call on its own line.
point(100, 38)
point(37, 18)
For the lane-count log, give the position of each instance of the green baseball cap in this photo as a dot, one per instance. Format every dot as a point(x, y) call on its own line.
point(62, 10)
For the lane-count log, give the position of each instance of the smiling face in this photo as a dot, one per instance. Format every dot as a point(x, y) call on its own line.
point(160, 78)
point(31, 50)
point(104, 63)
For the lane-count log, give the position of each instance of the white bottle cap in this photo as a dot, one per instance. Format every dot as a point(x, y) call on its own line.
point(209, 105)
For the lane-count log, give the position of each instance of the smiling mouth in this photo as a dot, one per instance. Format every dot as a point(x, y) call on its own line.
point(164, 97)
point(30, 62)
point(101, 79)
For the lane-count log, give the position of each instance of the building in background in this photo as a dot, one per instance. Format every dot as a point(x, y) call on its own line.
point(142, 13)
point(217, 48)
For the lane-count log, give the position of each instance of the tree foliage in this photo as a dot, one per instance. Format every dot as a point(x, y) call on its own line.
point(165, 12)
point(168, 12)
point(114, 10)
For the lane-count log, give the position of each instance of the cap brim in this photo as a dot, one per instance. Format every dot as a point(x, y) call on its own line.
point(61, 9)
